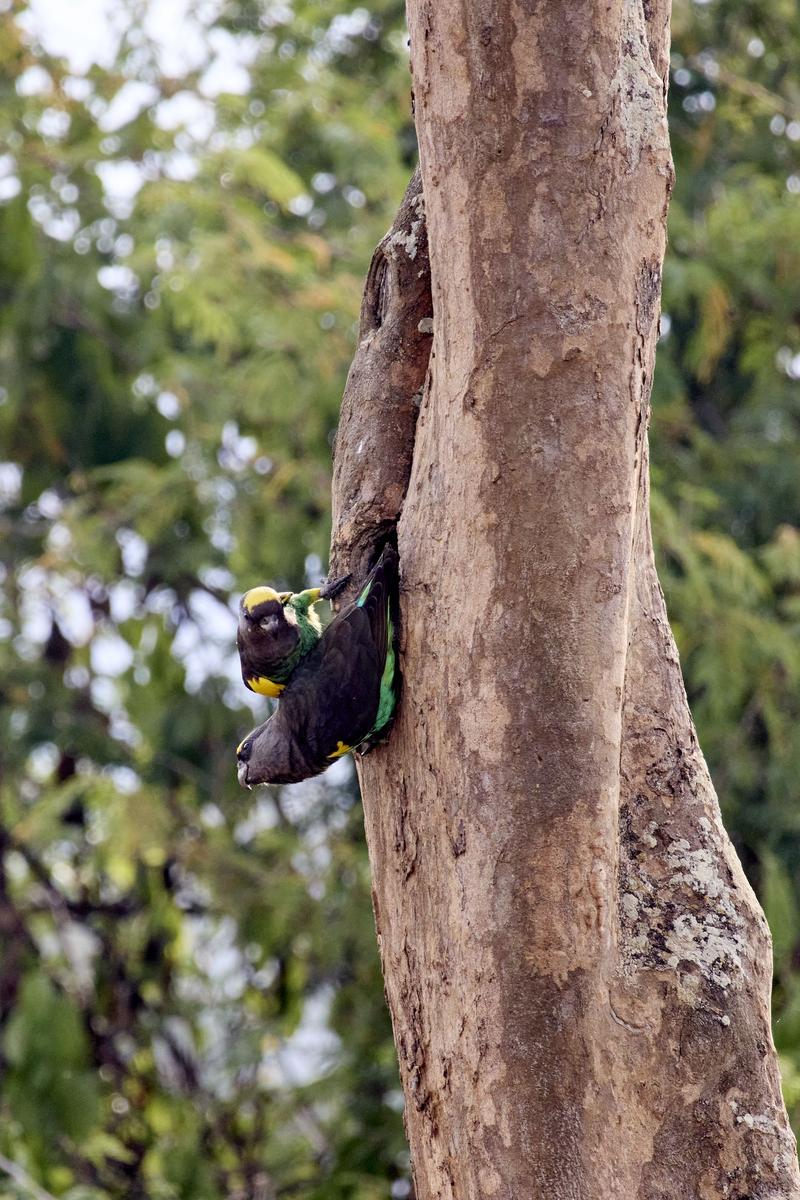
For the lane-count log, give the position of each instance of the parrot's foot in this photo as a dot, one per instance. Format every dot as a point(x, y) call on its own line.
point(332, 587)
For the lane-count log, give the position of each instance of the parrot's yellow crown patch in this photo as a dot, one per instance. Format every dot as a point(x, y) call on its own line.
point(258, 595)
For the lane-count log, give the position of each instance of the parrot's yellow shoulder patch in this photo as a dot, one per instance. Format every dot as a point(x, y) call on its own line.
point(258, 595)
point(341, 749)
point(265, 687)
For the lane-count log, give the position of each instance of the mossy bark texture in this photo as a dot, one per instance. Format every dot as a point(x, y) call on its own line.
point(577, 970)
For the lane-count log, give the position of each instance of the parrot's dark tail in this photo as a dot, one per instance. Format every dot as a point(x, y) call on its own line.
point(383, 580)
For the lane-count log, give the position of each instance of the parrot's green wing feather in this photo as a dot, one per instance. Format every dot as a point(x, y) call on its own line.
point(383, 593)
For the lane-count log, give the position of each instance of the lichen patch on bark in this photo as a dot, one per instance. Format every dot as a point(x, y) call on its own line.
point(637, 90)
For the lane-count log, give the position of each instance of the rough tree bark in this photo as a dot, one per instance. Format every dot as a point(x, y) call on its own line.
point(375, 438)
point(577, 970)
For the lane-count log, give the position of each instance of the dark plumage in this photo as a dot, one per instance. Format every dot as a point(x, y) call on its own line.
point(341, 696)
point(276, 630)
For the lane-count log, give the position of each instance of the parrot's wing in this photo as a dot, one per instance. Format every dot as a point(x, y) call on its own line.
point(336, 692)
point(334, 697)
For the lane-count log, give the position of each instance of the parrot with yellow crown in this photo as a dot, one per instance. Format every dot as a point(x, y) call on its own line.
point(341, 696)
point(276, 631)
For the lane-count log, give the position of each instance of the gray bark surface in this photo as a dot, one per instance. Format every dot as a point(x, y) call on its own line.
point(577, 969)
point(375, 438)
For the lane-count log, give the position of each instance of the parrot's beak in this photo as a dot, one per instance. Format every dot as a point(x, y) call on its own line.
point(271, 624)
point(241, 774)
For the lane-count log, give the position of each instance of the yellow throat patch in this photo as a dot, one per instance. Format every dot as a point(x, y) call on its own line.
point(258, 595)
point(265, 687)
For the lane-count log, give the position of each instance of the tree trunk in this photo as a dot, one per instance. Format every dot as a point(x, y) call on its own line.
point(577, 970)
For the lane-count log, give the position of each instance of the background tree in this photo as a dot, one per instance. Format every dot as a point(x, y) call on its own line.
point(172, 360)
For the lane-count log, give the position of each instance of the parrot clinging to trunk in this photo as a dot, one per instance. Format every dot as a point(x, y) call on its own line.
point(340, 697)
point(276, 630)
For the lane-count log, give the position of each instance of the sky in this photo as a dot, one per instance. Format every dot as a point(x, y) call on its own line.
point(79, 30)
point(87, 31)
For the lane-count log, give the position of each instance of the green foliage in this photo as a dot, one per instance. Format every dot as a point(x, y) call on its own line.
point(726, 442)
point(48, 1086)
point(190, 998)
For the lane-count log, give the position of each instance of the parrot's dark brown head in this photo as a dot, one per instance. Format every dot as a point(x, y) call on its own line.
point(267, 627)
point(265, 756)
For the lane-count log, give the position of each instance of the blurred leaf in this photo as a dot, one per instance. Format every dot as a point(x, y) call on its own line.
point(261, 168)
